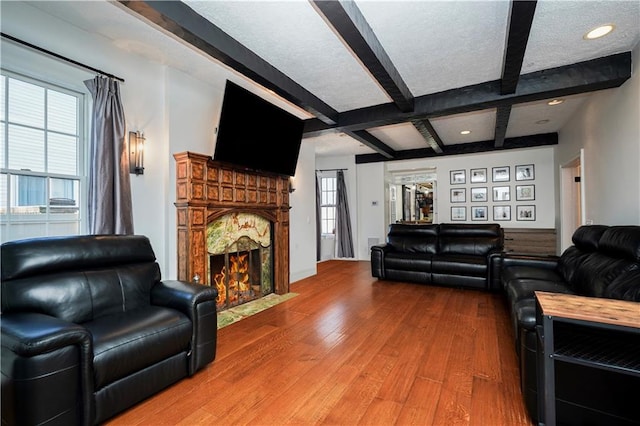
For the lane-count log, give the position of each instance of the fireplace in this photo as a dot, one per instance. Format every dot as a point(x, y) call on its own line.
point(230, 219)
point(240, 261)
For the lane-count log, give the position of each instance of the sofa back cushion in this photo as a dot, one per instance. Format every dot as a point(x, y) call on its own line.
point(470, 238)
point(585, 239)
point(413, 238)
point(622, 242)
point(78, 278)
point(617, 259)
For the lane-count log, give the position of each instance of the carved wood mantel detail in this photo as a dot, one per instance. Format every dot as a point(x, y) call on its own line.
point(208, 189)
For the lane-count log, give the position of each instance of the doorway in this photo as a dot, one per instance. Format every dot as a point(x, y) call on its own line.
point(571, 199)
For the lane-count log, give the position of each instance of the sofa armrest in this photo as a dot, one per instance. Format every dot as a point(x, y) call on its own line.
point(42, 355)
point(198, 302)
point(537, 261)
point(494, 269)
point(377, 259)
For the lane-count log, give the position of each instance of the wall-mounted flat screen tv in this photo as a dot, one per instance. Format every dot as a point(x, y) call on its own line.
point(256, 134)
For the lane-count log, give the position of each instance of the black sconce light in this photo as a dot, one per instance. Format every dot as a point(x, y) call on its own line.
point(136, 152)
point(291, 187)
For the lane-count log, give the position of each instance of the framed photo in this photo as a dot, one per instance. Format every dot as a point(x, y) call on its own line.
point(457, 177)
point(479, 213)
point(479, 194)
point(501, 174)
point(525, 172)
point(478, 175)
point(525, 192)
point(501, 212)
point(526, 213)
point(501, 193)
point(458, 195)
point(458, 213)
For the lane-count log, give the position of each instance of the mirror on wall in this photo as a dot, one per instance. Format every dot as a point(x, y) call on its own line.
point(412, 197)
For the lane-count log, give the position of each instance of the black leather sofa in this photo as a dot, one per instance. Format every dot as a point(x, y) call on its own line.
point(603, 262)
point(89, 329)
point(447, 254)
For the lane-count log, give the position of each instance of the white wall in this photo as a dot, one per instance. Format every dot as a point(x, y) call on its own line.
point(302, 218)
point(371, 187)
point(607, 126)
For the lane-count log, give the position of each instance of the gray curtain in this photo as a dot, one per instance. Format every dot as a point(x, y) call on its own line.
point(110, 210)
point(343, 221)
point(318, 220)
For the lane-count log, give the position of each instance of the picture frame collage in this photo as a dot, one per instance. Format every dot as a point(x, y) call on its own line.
point(466, 187)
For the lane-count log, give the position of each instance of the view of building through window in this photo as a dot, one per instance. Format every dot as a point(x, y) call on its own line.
point(41, 176)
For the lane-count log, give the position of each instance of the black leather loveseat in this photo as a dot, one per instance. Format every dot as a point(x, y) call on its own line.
point(603, 262)
point(447, 254)
point(89, 329)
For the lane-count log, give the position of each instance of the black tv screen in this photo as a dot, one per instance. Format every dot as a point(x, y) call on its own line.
point(256, 134)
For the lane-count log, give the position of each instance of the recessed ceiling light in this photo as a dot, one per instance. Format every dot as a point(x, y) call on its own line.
point(545, 121)
point(465, 132)
point(555, 102)
point(599, 32)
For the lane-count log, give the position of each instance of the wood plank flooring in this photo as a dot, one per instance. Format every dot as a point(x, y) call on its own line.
point(351, 349)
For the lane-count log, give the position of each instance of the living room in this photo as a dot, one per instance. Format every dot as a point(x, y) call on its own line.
point(178, 112)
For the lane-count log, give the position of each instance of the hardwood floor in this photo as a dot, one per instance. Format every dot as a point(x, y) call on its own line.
point(354, 350)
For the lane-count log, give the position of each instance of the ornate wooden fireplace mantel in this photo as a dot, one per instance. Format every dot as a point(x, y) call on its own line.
point(208, 189)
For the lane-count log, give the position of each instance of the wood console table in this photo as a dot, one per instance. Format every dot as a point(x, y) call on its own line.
point(565, 326)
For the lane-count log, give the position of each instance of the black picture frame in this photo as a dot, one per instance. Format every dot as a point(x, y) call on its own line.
point(479, 213)
point(457, 177)
point(525, 172)
point(458, 195)
point(526, 213)
point(501, 213)
point(501, 193)
point(458, 214)
point(479, 194)
point(478, 175)
point(501, 174)
point(525, 192)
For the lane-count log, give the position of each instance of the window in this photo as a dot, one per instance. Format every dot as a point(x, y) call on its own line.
point(41, 173)
point(328, 204)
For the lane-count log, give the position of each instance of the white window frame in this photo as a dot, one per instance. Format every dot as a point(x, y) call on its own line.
point(10, 220)
point(328, 203)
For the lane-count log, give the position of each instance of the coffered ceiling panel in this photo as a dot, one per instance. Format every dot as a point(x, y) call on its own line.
point(435, 44)
point(294, 38)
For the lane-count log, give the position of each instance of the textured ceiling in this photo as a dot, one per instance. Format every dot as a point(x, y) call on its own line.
point(434, 46)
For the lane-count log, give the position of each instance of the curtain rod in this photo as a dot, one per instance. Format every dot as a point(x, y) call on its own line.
point(329, 170)
point(55, 55)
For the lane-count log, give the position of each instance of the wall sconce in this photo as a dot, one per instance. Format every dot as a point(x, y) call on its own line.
point(136, 153)
point(291, 187)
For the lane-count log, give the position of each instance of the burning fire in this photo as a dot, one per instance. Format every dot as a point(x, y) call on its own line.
point(238, 280)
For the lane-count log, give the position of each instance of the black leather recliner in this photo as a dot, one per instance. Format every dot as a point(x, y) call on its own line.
point(89, 329)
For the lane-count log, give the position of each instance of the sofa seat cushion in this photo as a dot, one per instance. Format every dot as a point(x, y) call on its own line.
point(530, 272)
point(525, 288)
point(408, 261)
point(459, 264)
point(131, 341)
